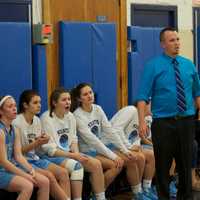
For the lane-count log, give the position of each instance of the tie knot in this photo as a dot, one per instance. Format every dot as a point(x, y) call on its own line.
point(174, 61)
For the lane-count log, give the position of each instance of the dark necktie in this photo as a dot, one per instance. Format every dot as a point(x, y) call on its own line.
point(181, 102)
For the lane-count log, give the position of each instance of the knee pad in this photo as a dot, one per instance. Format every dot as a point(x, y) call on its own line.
point(75, 170)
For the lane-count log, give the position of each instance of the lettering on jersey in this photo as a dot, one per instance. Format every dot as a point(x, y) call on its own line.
point(94, 127)
point(94, 122)
point(64, 130)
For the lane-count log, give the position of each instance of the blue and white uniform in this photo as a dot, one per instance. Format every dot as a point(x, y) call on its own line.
point(62, 134)
point(6, 176)
point(126, 121)
point(96, 133)
point(28, 134)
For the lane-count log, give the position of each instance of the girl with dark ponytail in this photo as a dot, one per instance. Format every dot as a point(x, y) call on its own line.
point(60, 124)
point(32, 139)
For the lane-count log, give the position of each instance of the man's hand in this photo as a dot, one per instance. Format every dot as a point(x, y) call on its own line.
point(143, 129)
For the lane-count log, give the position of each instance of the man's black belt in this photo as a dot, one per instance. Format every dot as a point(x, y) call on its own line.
point(178, 117)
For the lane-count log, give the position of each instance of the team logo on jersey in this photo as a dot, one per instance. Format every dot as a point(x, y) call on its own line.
point(94, 127)
point(63, 140)
point(133, 136)
point(31, 137)
point(95, 130)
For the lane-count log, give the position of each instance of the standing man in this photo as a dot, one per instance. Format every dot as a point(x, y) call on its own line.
point(173, 84)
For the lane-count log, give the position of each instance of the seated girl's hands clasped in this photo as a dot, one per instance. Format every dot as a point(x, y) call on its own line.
point(119, 162)
point(131, 156)
point(42, 139)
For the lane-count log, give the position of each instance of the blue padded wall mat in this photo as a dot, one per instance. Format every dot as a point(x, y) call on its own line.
point(158, 50)
point(105, 66)
point(88, 54)
point(75, 47)
point(146, 45)
point(40, 74)
point(198, 47)
point(15, 58)
point(134, 71)
point(144, 38)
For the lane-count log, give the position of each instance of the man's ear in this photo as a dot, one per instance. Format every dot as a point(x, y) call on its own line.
point(162, 44)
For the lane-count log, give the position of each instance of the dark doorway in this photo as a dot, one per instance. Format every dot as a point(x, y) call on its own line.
point(15, 10)
point(153, 15)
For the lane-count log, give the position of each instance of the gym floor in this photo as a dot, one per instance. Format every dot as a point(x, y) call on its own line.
point(128, 196)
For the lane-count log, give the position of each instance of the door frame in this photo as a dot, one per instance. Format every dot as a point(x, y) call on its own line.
point(121, 21)
point(196, 11)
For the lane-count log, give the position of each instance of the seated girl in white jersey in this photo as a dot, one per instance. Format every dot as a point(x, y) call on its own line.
point(126, 122)
point(96, 134)
point(60, 124)
point(91, 145)
point(16, 174)
point(32, 139)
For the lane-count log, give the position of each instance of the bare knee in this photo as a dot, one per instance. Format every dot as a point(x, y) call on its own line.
point(21, 185)
point(29, 187)
point(95, 166)
point(51, 177)
point(42, 181)
point(26, 188)
point(140, 159)
point(150, 157)
point(112, 165)
point(63, 175)
point(115, 169)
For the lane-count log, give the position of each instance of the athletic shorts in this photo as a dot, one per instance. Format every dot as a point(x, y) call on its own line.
point(6, 177)
point(41, 163)
point(55, 160)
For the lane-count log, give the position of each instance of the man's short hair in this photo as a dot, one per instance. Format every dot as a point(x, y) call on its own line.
point(162, 32)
